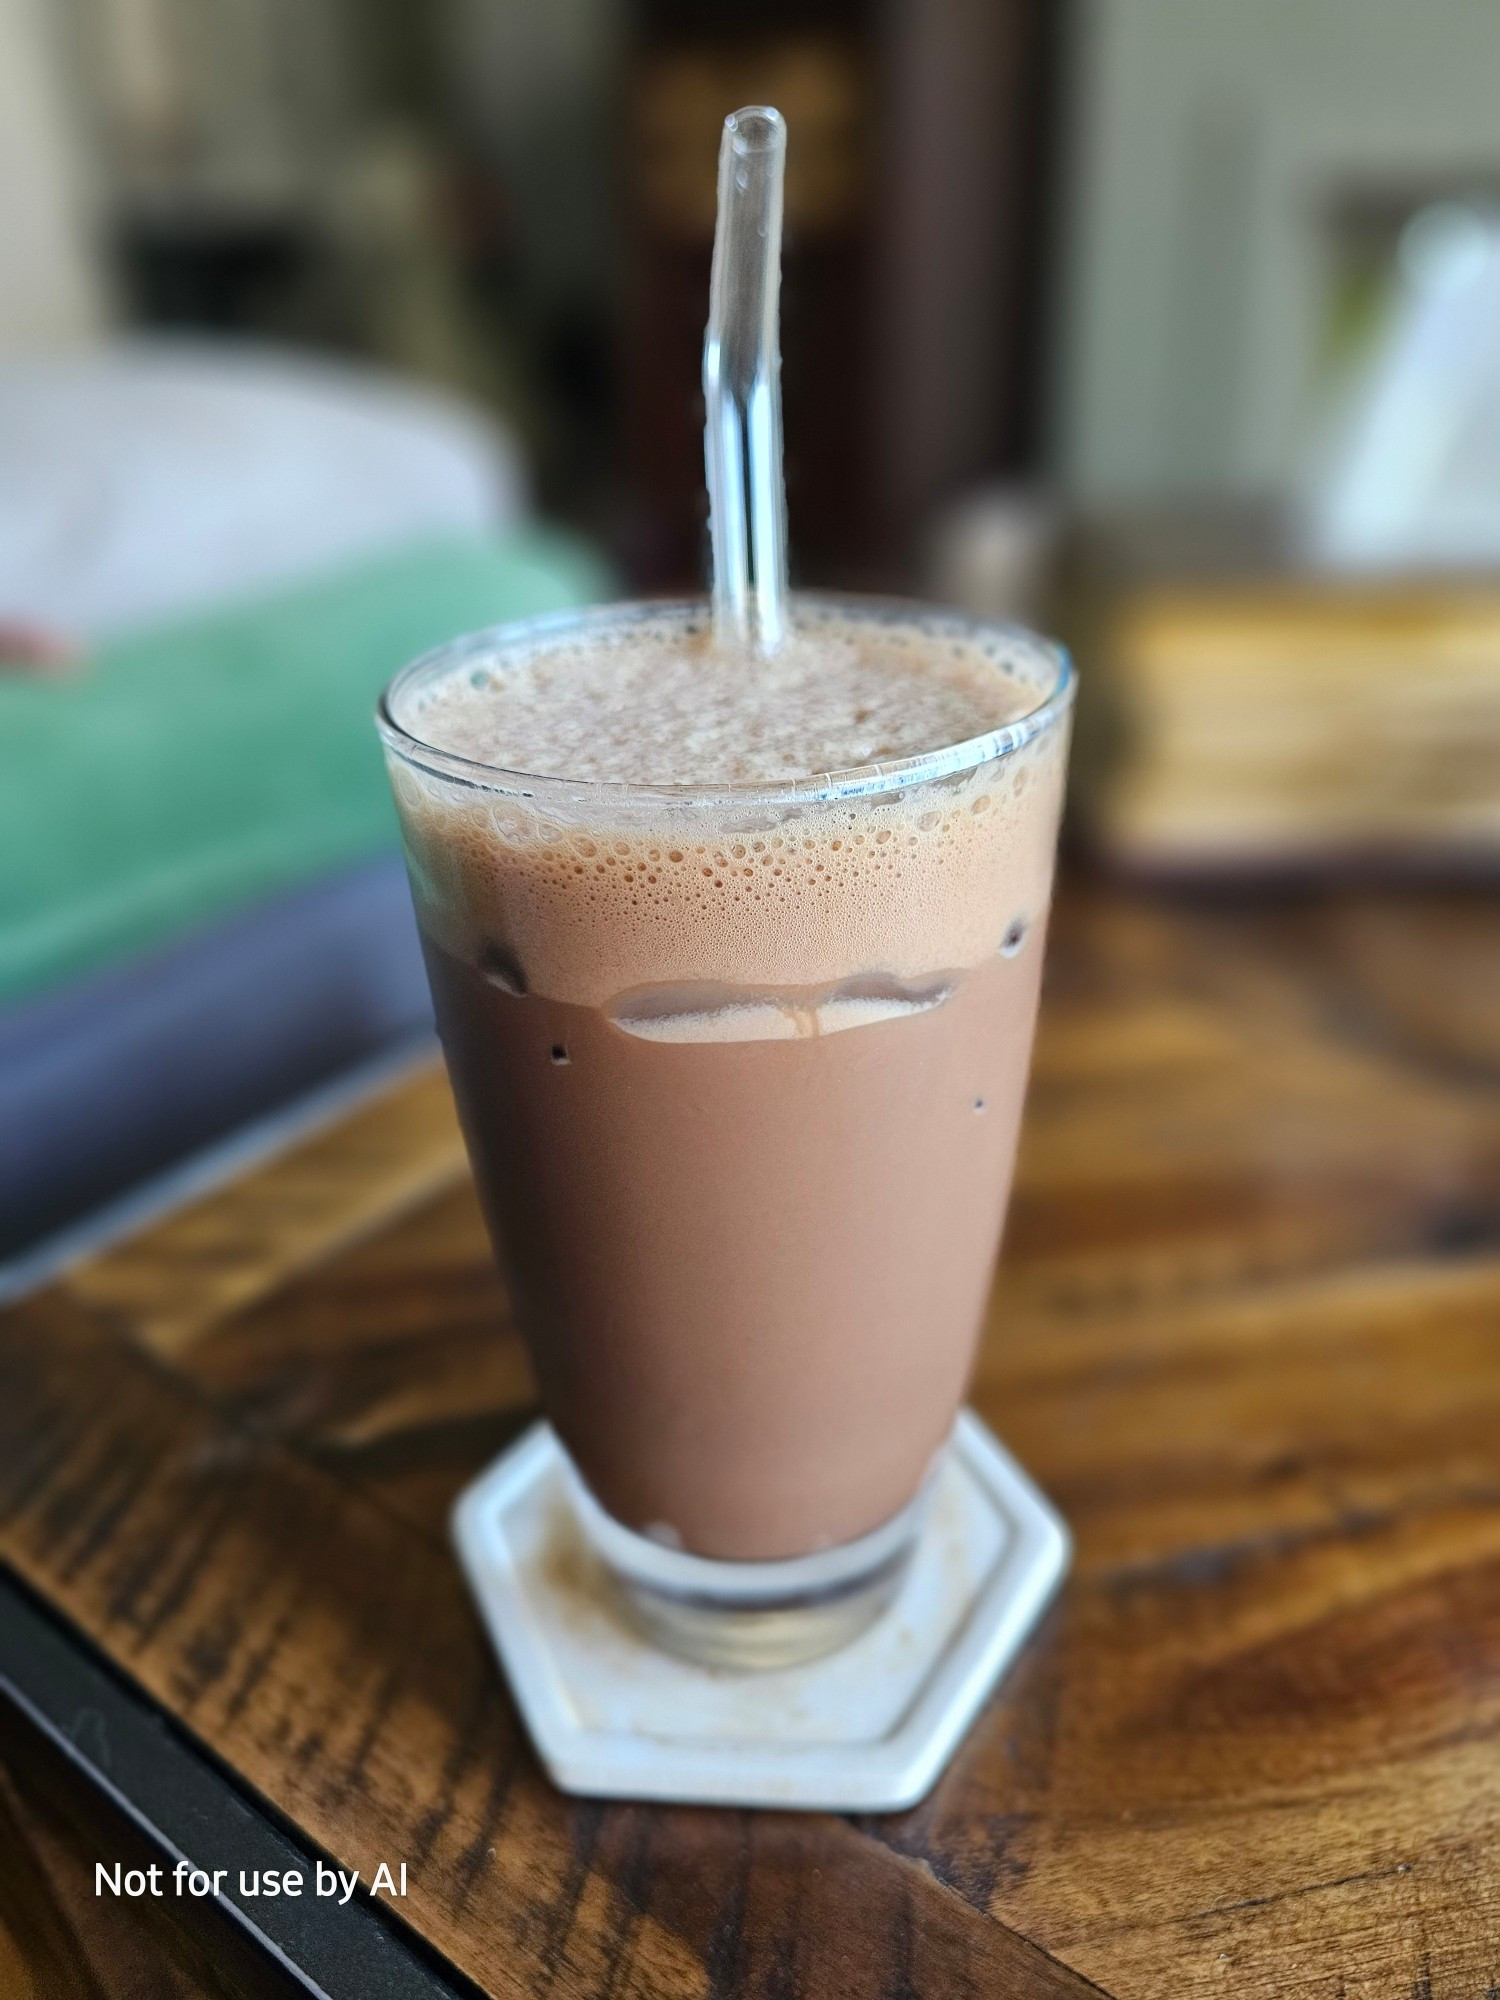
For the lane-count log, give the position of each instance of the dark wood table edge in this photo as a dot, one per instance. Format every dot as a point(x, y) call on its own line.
point(151, 1778)
point(207, 1169)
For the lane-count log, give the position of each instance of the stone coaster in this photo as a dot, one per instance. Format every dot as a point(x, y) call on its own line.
point(867, 1729)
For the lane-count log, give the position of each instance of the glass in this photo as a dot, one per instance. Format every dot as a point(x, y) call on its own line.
point(741, 1073)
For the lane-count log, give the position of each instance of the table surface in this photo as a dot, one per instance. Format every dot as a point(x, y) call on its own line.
point(1246, 1332)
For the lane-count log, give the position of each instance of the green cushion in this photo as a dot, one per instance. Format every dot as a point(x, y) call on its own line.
point(192, 768)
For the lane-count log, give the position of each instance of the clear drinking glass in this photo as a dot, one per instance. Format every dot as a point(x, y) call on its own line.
point(740, 1072)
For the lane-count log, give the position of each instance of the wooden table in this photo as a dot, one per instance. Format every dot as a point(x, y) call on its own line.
point(1246, 1333)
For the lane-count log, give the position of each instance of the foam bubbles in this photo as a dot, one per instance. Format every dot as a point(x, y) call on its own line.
point(660, 704)
point(587, 898)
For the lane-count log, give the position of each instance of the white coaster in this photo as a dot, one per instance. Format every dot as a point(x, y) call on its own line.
point(867, 1729)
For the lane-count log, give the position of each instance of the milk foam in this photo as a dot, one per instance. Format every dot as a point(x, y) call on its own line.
point(663, 705)
point(588, 898)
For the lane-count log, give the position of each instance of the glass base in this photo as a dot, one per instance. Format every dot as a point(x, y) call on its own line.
point(752, 1615)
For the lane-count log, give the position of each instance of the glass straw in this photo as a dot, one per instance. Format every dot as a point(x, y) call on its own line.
point(742, 386)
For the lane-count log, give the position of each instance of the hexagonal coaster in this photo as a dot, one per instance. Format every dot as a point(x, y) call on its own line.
point(867, 1729)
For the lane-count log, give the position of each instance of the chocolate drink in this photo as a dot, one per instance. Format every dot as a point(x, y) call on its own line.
point(740, 1071)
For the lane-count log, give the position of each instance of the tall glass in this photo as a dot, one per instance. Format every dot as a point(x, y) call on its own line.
point(741, 1072)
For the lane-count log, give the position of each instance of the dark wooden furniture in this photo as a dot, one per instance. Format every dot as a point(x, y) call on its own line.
point(1247, 1334)
point(915, 279)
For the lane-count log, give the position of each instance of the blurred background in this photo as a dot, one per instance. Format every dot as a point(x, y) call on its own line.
point(329, 327)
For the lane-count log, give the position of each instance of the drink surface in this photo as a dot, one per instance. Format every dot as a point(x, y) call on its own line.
point(589, 895)
point(741, 1076)
point(662, 705)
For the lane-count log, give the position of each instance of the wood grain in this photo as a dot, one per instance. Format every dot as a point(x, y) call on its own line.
point(1246, 1331)
point(200, 1264)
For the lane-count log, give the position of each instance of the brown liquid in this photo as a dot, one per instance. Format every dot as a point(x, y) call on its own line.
point(750, 1272)
point(740, 1076)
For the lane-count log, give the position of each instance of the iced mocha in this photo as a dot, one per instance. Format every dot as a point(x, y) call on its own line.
point(741, 1081)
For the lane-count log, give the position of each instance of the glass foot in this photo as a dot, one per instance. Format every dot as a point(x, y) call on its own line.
point(752, 1615)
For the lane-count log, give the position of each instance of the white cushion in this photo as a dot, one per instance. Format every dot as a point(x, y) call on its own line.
point(150, 476)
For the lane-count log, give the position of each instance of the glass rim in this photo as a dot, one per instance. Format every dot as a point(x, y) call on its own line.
point(858, 781)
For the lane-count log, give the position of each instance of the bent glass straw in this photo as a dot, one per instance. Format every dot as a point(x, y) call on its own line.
point(742, 386)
